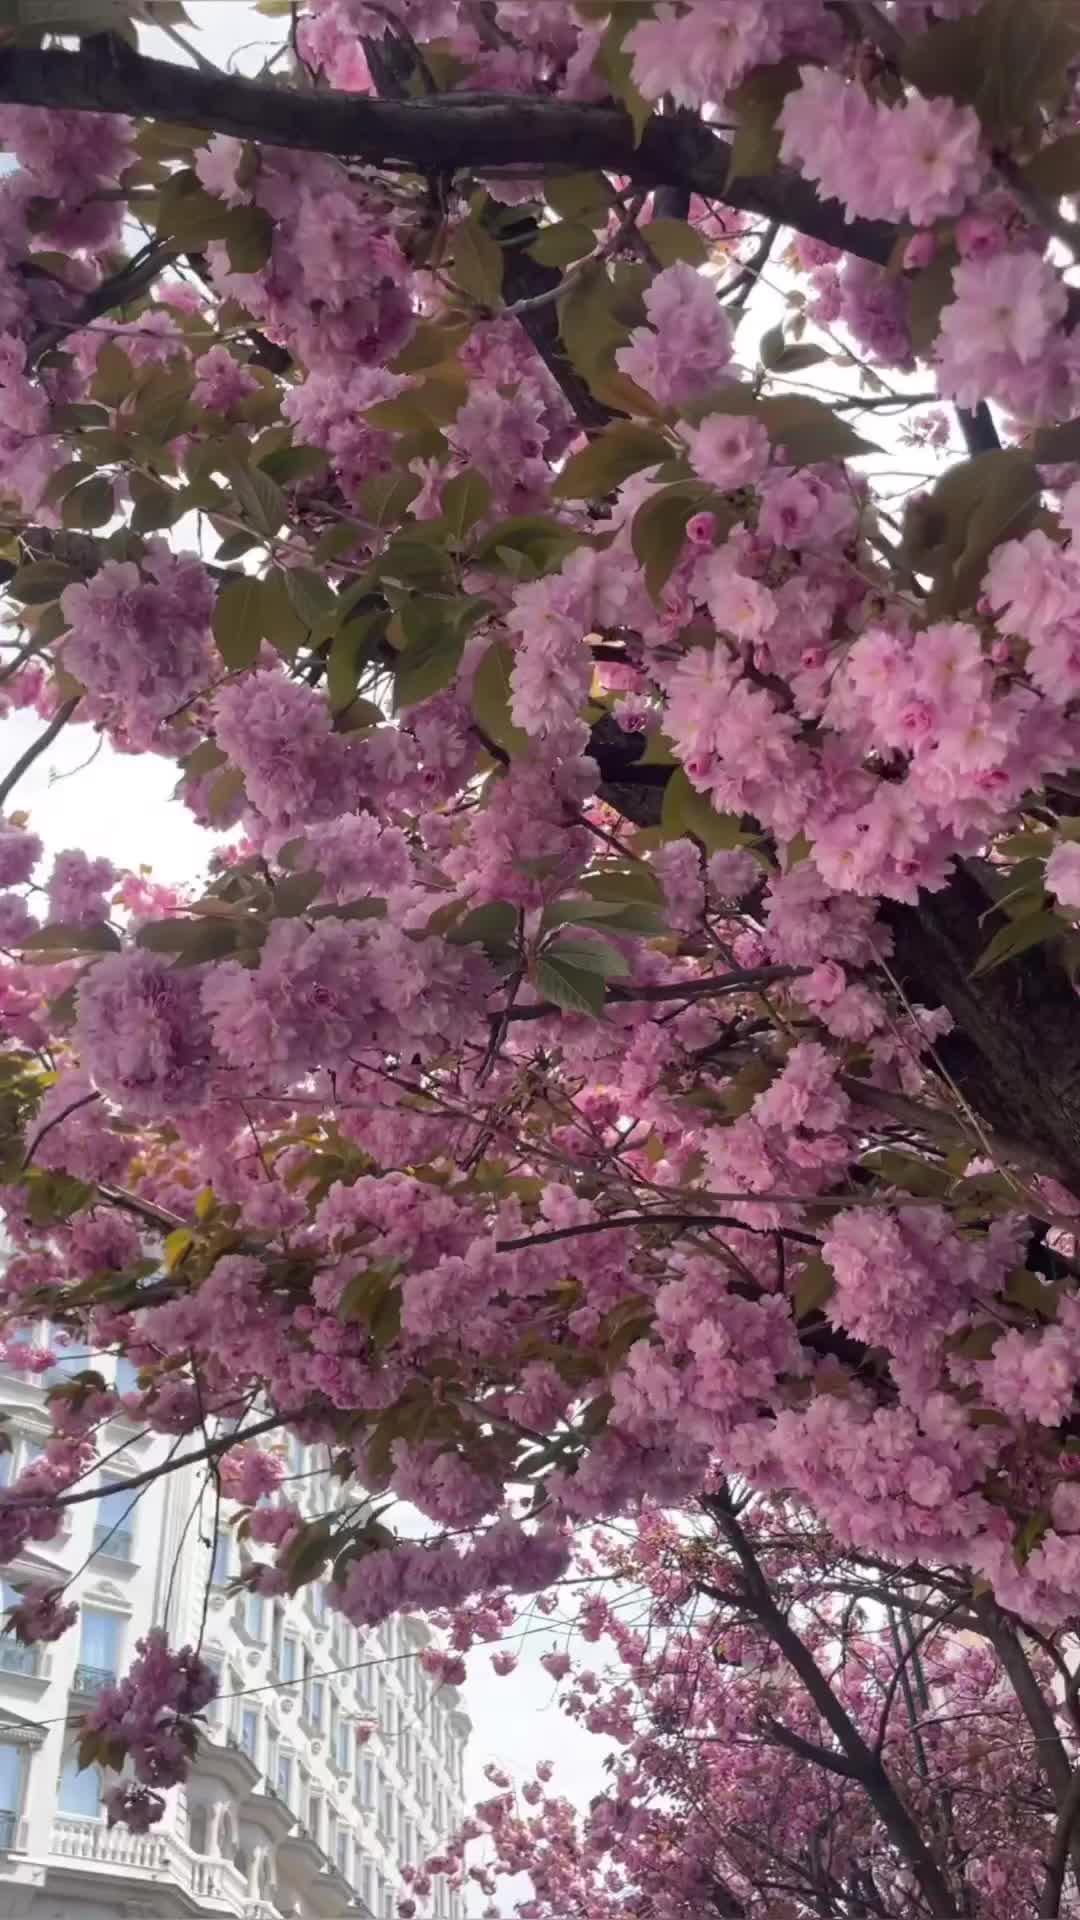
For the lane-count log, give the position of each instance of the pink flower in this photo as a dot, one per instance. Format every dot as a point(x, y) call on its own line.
point(41, 1613)
point(20, 852)
point(1063, 873)
point(77, 887)
point(728, 450)
point(143, 1036)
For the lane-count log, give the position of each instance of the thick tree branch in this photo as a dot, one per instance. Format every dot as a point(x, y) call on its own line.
point(865, 1765)
point(1050, 1747)
point(441, 134)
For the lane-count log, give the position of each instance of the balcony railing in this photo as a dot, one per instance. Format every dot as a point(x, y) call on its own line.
point(15, 1658)
point(8, 1823)
point(91, 1680)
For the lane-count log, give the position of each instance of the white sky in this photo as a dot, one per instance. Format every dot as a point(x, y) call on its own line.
point(120, 806)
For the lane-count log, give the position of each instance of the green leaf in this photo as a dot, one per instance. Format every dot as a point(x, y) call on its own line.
point(1053, 446)
point(909, 1173)
point(94, 937)
point(808, 430)
point(658, 532)
point(313, 598)
point(493, 925)
point(579, 196)
point(284, 629)
point(815, 1286)
point(40, 581)
point(1009, 62)
point(590, 330)
point(622, 917)
point(756, 104)
point(562, 243)
point(685, 811)
point(1031, 1291)
point(572, 973)
point(89, 505)
point(295, 894)
point(1016, 938)
point(930, 290)
point(616, 66)
point(114, 376)
point(635, 885)
point(950, 533)
point(349, 651)
point(261, 498)
point(187, 214)
point(288, 465)
point(545, 543)
point(193, 941)
point(239, 622)
point(465, 500)
point(387, 497)
point(615, 454)
point(249, 238)
point(675, 240)
point(491, 700)
point(478, 262)
point(432, 656)
point(153, 506)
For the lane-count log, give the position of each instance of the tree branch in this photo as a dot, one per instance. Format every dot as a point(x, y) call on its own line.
point(747, 980)
point(866, 1767)
point(37, 747)
point(1059, 1851)
point(443, 133)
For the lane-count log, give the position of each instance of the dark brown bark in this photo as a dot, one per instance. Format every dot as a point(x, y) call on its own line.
point(1014, 1052)
point(439, 134)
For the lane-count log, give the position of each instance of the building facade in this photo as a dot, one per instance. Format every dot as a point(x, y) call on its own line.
point(331, 1758)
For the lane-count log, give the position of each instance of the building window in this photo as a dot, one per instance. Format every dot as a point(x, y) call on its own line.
point(99, 1650)
point(249, 1731)
point(367, 1883)
point(285, 1777)
point(289, 1663)
point(11, 1765)
point(343, 1746)
point(254, 1615)
point(114, 1525)
point(127, 1374)
point(315, 1816)
point(342, 1854)
point(14, 1657)
point(71, 1356)
point(365, 1781)
point(221, 1561)
point(317, 1706)
point(80, 1789)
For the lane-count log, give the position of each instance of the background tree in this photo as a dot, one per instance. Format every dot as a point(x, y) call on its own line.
point(628, 1030)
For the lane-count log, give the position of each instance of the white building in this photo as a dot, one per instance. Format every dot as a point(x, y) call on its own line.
point(287, 1815)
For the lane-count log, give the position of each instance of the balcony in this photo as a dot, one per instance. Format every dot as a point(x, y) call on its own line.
point(89, 1681)
point(8, 1824)
point(17, 1659)
point(216, 1881)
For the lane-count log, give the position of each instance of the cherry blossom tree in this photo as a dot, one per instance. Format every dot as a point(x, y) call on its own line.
point(627, 1032)
point(796, 1731)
